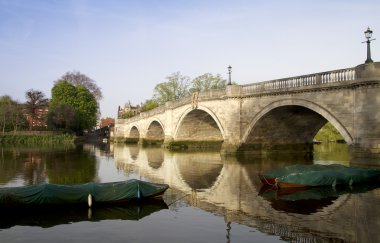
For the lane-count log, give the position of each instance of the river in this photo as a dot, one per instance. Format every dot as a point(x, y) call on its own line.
point(211, 198)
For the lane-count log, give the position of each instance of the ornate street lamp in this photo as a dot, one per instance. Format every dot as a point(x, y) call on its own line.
point(229, 75)
point(368, 35)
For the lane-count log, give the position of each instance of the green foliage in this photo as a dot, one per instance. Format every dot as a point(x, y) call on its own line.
point(11, 116)
point(63, 93)
point(179, 86)
point(175, 88)
point(76, 78)
point(62, 116)
point(208, 81)
point(87, 108)
point(128, 114)
point(328, 133)
point(149, 105)
point(77, 103)
point(37, 139)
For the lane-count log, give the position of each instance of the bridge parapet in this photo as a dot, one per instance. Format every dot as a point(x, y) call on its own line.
point(300, 82)
point(202, 96)
point(153, 112)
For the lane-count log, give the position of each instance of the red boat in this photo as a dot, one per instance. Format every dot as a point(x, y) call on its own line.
point(277, 184)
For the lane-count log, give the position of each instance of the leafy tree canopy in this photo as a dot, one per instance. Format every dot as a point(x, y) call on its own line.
point(176, 87)
point(328, 133)
point(11, 116)
point(76, 78)
point(149, 105)
point(62, 116)
point(208, 81)
point(68, 98)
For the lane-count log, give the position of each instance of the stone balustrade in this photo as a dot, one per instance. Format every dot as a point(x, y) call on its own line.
point(335, 76)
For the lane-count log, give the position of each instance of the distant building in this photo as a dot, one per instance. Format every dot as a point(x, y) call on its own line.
point(107, 122)
point(39, 120)
point(128, 110)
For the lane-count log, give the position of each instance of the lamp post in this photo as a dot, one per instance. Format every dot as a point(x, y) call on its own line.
point(368, 35)
point(229, 75)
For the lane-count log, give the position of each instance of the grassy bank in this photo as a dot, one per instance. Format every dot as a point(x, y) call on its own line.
point(36, 139)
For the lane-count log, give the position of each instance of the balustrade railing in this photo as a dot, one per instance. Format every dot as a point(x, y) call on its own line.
point(204, 95)
point(340, 75)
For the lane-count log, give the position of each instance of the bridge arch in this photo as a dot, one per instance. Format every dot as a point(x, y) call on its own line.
point(199, 124)
point(155, 133)
point(134, 132)
point(300, 121)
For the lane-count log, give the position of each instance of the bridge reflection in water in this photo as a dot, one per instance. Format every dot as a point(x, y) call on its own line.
point(229, 187)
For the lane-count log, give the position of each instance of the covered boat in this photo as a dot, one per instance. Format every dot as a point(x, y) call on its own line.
point(80, 194)
point(318, 175)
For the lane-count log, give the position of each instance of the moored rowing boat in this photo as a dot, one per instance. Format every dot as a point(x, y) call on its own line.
point(295, 176)
point(80, 194)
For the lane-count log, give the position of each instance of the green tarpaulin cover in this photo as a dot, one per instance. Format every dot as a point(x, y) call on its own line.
point(323, 175)
point(53, 194)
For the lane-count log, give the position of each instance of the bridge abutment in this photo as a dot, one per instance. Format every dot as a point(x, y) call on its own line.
point(366, 114)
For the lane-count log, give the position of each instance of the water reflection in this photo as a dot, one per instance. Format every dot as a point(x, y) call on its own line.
point(34, 165)
point(224, 186)
point(155, 157)
point(49, 217)
point(309, 200)
point(230, 187)
point(198, 170)
point(134, 151)
point(329, 153)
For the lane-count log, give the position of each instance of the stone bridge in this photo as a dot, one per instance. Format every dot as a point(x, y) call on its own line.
point(278, 115)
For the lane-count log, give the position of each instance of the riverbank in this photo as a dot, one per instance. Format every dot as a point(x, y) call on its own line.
point(36, 137)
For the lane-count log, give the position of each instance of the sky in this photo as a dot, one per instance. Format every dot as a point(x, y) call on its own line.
point(128, 47)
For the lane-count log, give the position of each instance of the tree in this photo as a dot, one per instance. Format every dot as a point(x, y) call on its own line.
point(5, 108)
point(16, 117)
point(62, 116)
point(87, 107)
point(11, 117)
point(35, 100)
point(328, 133)
point(77, 102)
point(149, 105)
point(208, 81)
point(76, 78)
point(175, 88)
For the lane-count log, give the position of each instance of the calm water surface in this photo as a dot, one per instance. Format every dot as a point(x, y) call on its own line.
point(211, 198)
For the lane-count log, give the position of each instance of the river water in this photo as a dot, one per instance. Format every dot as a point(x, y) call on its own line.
point(211, 198)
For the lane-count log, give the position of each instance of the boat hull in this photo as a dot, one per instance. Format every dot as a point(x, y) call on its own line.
point(89, 194)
